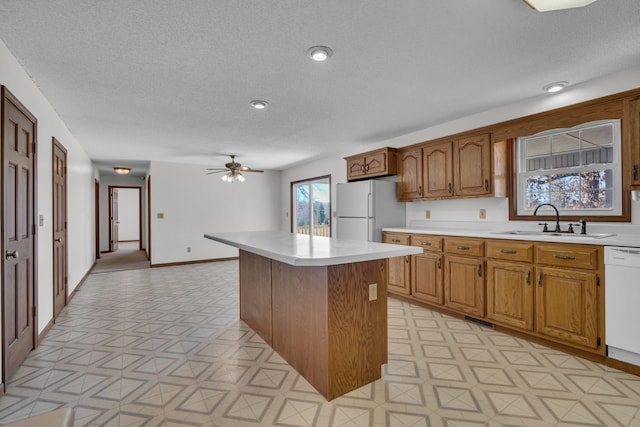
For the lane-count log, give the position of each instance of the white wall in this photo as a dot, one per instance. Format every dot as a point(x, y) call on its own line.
point(129, 214)
point(194, 203)
point(468, 209)
point(106, 180)
point(333, 166)
point(80, 171)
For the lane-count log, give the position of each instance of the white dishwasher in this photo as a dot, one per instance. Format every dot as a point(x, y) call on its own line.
point(622, 303)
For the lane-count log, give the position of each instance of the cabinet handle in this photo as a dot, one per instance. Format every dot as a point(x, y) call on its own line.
point(366, 167)
point(426, 243)
point(562, 256)
point(508, 251)
point(439, 263)
point(635, 172)
point(486, 185)
point(463, 248)
point(450, 189)
point(540, 279)
point(419, 190)
point(479, 270)
point(406, 259)
point(395, 240)
point(529, 278)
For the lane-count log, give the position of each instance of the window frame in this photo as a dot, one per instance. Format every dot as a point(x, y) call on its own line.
point(292, 201)
point(616, 213)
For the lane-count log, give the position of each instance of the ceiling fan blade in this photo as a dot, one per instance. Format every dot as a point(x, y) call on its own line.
point(216, 169)
point(209, 173)
point(252, 170)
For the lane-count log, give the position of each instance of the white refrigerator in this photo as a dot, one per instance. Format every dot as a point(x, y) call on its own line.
point(364, 208)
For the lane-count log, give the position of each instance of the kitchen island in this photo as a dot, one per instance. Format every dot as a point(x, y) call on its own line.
point(321, 303)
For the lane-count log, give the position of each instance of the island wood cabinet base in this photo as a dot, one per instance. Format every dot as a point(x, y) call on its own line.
point(319, 319)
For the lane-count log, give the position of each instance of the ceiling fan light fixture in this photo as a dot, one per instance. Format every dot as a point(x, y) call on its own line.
point(259, 104)
point(548, 5)
point(121, 170)
point(555, 87)
point(320, 53)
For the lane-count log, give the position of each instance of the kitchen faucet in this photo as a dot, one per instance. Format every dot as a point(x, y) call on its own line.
point(557, 230)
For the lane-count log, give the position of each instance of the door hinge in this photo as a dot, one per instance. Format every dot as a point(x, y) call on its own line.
point(598, 342)
point(33, 147)
point(598, 282)
point(33, 229)
point(34, 311)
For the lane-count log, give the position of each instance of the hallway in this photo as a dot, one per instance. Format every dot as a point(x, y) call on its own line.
point(127, 257)
point(165, 347)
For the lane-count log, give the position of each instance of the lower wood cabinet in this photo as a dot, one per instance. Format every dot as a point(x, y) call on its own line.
point(399, 267)
point(548, 290)
point(567, 306)
point(464, 284)
point(426, 278)
point(510, 294)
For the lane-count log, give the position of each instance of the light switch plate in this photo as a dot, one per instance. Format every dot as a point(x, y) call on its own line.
point(373, 292)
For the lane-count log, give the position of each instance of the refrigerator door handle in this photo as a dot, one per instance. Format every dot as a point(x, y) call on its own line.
point(371, 229)
point(370, 212)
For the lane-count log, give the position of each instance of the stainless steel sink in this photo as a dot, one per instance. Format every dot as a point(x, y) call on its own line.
point(547, 233)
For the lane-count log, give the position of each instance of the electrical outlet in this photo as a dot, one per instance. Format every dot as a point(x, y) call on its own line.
point(373, 292)
point(427, 214)
point(483, 214)
point(188, 249)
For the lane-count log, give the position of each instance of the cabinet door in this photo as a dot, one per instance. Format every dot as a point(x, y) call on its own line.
point(356, 168)
point(464, 285)
point(376, 164)
point(399, 268)
point(472, 165)
point(410, 174)
point(426, 278)
point(566, 306)
point(510, 294)
point(438, 176)
point(634, 143)
point(399, 275)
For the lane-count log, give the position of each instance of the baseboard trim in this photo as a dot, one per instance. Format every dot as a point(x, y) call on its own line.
point(77, 289)
point(45, 331)
point(200, 261)
point(623, 366)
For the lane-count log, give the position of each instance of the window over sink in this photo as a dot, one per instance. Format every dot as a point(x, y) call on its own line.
point(577, 169)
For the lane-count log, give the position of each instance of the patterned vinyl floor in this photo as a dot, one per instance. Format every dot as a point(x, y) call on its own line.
point(164, 347)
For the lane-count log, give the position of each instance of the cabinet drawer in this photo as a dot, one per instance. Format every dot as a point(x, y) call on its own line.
point(428, 243)
point(397, 238)
point(462, 246)
point(575, 256)
point(514, 251)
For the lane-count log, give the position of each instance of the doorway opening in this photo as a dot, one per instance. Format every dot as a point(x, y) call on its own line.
point(125, 225)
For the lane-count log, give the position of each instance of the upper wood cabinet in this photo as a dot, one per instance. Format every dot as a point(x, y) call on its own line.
point(446, 169)
point(634, 144)
point(472, 166)
point(410, 176)
point(437, 160)
point(371, 164)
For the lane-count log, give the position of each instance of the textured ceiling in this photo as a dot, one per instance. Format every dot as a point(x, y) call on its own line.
point(172, 80)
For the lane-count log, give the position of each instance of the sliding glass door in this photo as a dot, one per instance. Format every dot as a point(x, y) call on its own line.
point(311, 206)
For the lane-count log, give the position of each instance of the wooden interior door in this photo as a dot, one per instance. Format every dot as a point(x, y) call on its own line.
point(113, 219)
point(60, 262)
point(18, 286)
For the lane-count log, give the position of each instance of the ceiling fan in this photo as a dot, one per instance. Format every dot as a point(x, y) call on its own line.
point(232, 170)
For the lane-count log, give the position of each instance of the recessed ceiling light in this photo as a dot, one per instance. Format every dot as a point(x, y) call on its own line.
point(319, 53)
point(259, 105)
point(547, 5)
point(555, 87)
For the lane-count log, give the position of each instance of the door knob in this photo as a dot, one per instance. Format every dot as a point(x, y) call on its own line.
point(13, 254)
point(58, 240)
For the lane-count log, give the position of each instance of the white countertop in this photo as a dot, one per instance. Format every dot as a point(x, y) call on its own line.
point(304, 250)
point(621, 236)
